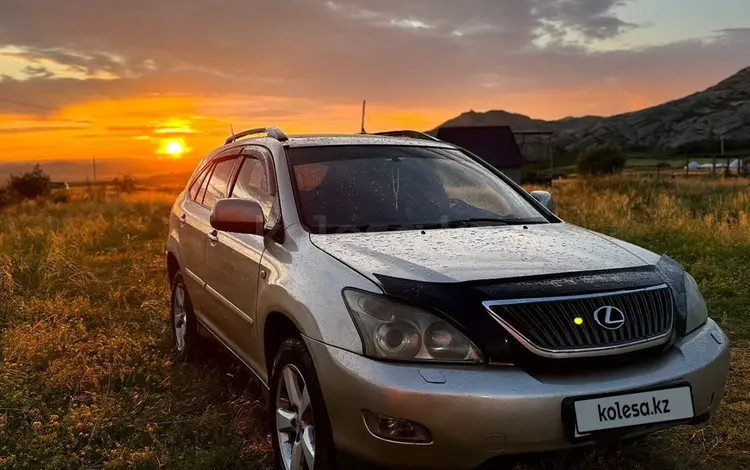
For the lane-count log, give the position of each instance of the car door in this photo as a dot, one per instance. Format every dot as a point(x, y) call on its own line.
point(198, 218)
point(193, 227)
point(233, 262)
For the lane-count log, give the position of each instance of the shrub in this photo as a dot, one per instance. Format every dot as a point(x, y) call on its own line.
point(601, 160)
point(124, 185)
point(30, 185)
point(61, 196)
point(5, 197)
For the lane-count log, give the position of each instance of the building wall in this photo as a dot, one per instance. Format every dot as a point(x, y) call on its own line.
point(535, 148)
point(513, 173)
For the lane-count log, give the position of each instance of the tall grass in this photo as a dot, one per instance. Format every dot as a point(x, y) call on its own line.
point(718, 210)
point(87, 378)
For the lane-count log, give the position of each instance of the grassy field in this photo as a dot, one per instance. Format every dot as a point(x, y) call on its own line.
point(87, 378)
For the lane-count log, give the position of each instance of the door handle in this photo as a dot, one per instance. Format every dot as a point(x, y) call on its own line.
point(183, 220)
point(213, 237)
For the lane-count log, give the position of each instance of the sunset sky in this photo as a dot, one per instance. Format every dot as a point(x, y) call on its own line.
point(164, 79)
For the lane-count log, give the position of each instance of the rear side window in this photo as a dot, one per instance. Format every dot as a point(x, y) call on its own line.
point(204, 184)
point(198, 183)
point(217, 183)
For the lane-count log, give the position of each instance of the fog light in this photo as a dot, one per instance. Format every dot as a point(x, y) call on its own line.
point(397, 430)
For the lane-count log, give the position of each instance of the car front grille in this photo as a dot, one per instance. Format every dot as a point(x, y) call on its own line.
point(591, 324)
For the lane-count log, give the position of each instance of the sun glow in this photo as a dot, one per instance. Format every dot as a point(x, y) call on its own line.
point(173, 148)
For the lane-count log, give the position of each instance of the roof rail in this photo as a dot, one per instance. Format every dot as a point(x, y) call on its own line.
point(409, 133)
point(272, 132)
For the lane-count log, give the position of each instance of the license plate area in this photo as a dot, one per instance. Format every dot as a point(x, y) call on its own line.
point(618, 413)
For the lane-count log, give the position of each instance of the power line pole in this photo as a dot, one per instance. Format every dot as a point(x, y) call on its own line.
point(713, 167)
point(551, 151)
point(93, 160)
point(364, 111)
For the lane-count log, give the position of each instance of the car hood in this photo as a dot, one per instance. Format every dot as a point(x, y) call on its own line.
point(496, 252)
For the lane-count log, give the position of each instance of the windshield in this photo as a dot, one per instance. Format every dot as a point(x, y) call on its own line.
point(371, 188)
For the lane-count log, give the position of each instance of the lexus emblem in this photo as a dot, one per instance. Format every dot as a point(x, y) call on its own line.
point(609, 317)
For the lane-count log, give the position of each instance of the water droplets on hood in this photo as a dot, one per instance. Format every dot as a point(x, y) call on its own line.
point(446, 255)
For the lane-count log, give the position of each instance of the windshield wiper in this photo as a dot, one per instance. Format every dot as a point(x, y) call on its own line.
point(365, 228)
point(458, 223)
point(480, 221)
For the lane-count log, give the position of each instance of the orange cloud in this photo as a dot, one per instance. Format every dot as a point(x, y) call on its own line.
point(97, 84)
point(144, 127)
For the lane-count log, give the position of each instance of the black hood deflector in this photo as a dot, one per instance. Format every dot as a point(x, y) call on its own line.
point(462, 302)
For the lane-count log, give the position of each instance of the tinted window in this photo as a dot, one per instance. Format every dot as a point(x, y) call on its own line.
point(252, 183)
point(217, 183)
point(204, 184)
point(392, 188)
point(252, 177)
point(197, 183)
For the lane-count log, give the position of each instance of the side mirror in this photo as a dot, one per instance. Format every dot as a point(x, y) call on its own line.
point(238, 216)
point(545, 198)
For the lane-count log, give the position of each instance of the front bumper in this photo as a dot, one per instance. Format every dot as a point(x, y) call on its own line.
point(481, 412)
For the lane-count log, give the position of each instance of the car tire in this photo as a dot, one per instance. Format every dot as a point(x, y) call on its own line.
point(184, 325)
point(298, 435)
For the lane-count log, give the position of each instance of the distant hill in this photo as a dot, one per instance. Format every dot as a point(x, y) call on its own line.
point(167, 179)
point(519, 122)
point(722, 110)
point(106, 169)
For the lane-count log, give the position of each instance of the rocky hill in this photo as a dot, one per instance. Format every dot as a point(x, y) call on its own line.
point(722, 110)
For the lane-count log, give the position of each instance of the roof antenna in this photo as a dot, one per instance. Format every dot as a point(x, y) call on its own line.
point(231, 129)
point(364, 111)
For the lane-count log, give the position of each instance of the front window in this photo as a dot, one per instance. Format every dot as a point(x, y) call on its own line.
point(371, 188)
point(217, 184)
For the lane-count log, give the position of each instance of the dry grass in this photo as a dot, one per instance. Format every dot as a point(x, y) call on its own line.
point(87, 379)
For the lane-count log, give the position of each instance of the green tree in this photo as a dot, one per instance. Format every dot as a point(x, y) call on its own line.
point(30, 185)
point(601, 160)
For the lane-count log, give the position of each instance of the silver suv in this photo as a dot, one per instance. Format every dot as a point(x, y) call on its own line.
point(404, 304)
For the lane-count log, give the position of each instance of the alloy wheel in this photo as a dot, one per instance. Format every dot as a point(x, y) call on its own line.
point(179, 315)
point(294, 421)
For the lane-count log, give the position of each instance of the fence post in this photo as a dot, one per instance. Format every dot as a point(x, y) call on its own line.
point(713, 167)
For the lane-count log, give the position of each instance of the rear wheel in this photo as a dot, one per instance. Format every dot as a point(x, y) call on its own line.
point(184, 325)
point(301, 429)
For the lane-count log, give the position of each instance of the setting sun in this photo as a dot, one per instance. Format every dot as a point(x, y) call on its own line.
point(174, 148)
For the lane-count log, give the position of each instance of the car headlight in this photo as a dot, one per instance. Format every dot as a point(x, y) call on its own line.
point(697, 313)
point(394, 330)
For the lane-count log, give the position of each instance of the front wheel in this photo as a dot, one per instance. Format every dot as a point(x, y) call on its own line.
point(301, 429)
